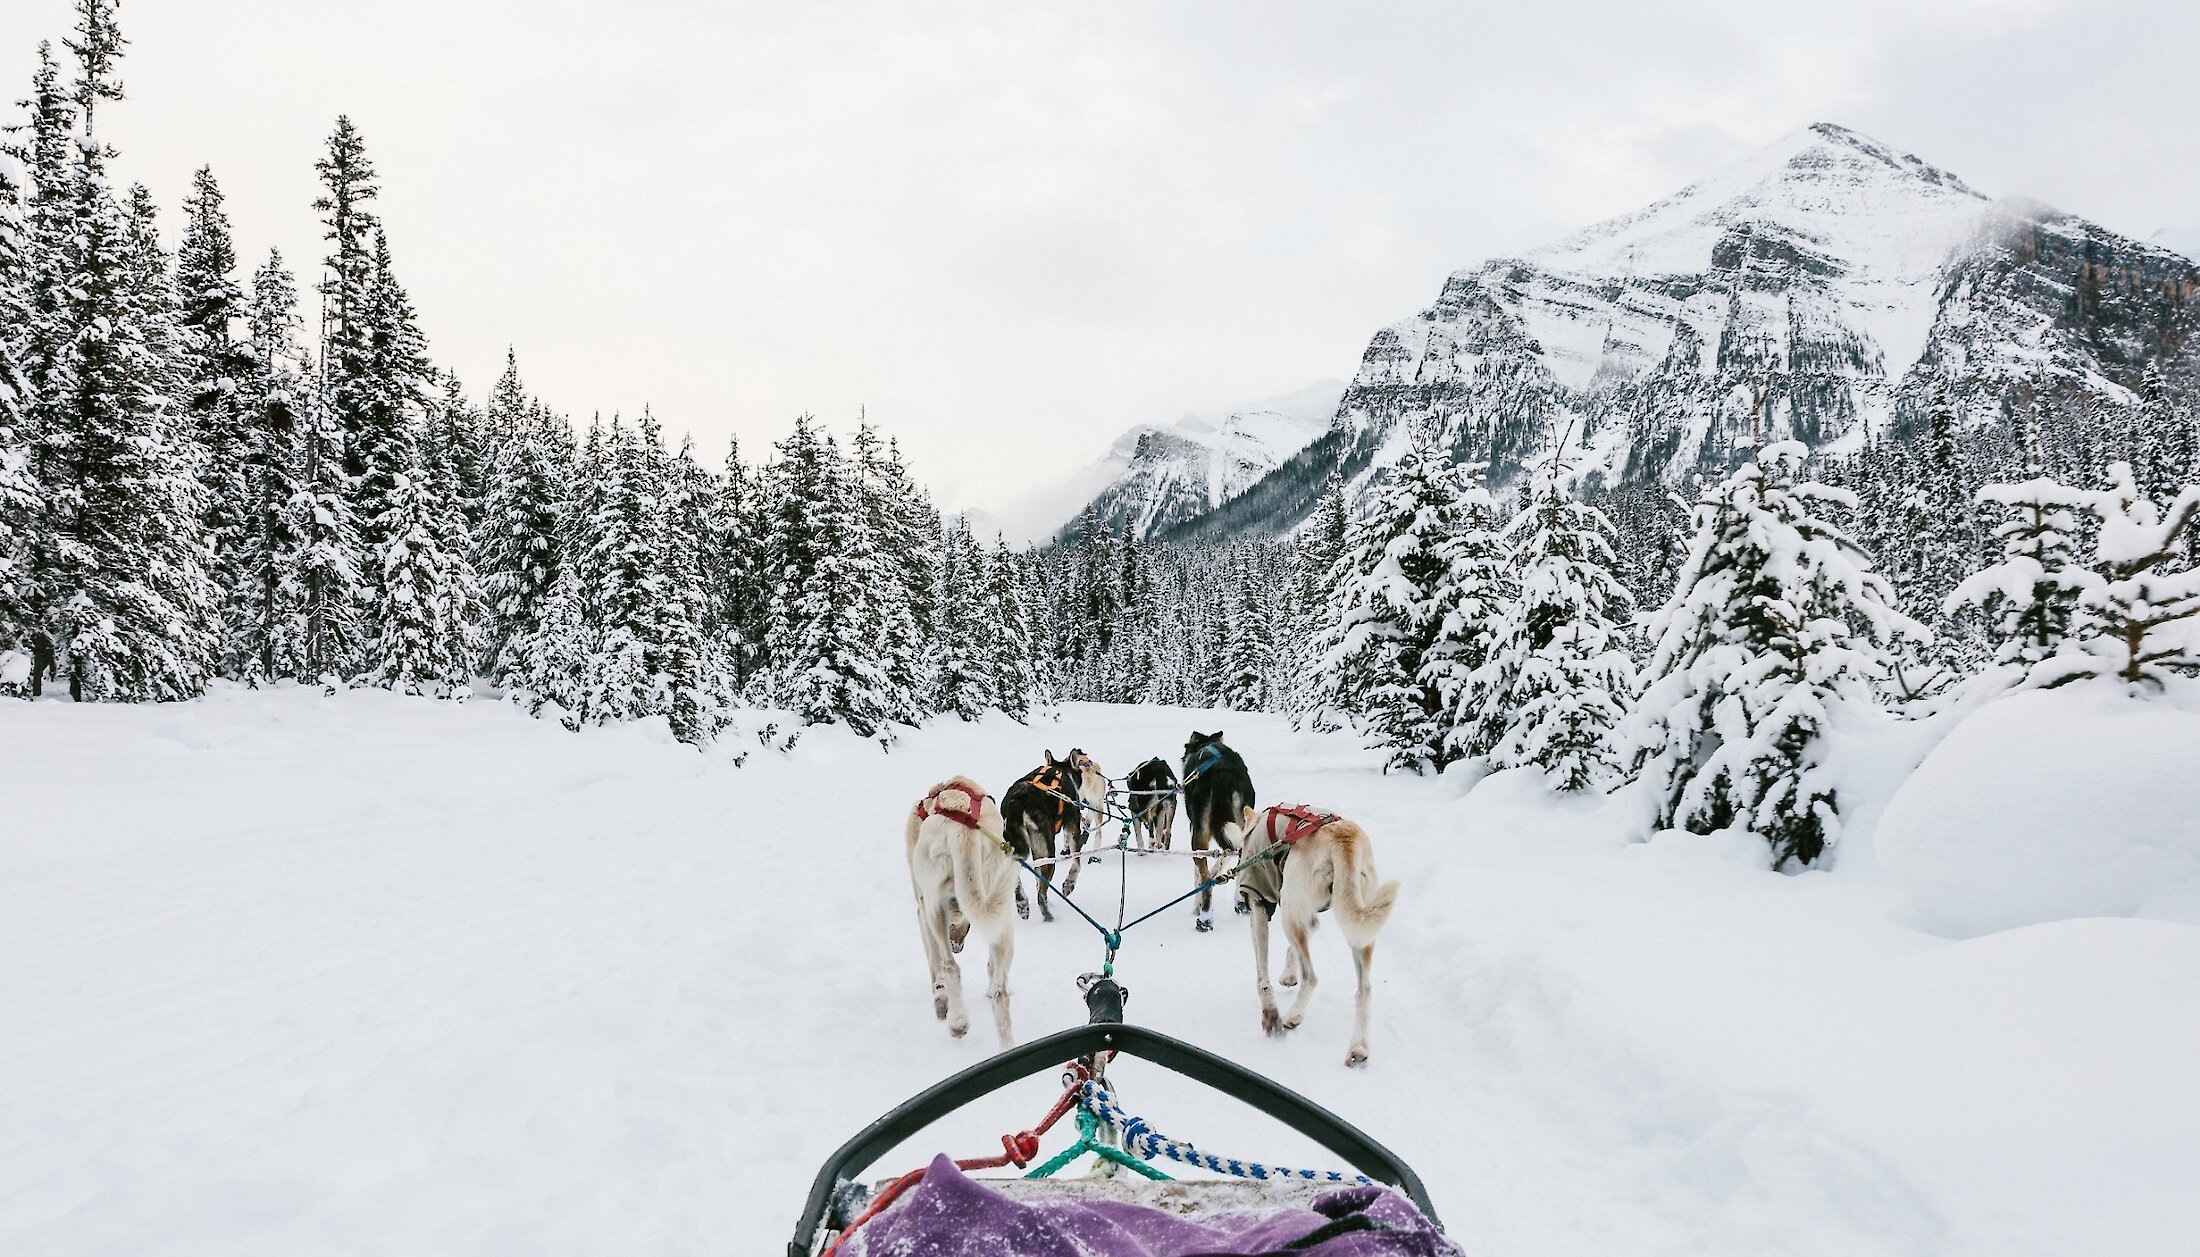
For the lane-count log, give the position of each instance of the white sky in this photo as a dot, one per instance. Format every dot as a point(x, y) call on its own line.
point(1013, 229)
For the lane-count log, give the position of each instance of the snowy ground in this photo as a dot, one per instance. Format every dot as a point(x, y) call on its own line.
point(287, 975)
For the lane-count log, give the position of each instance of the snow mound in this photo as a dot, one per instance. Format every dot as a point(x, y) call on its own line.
point(2079, 802)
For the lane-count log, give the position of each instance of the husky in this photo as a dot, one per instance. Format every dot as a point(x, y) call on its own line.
point(1151, 793)
point(1326, 862)
point(963, 877)
point(1216, 788)
point(1043, 804)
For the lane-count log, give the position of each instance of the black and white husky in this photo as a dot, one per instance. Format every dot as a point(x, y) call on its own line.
point(1151, 794)
point(1217, 791)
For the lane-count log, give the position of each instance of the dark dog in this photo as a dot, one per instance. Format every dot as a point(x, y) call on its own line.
point(1217, 790)
point(1151, 791)
point(1039, 807)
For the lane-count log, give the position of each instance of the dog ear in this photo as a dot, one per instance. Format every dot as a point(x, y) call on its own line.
point(1218, 735)
point(1050, 759)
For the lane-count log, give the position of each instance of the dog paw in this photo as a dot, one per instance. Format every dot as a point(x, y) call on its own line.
point(1292, 1020)
point(1288, 979)
point(1205, 925)
point(1355, 1058)
point(1271, 1022)
point(959, 1027)
point(1244, 909)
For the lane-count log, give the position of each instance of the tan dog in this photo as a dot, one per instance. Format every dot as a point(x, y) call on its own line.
point(1327, 862)
point(963, 876)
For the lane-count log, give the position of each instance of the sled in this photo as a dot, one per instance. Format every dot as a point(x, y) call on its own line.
point(939, 1211)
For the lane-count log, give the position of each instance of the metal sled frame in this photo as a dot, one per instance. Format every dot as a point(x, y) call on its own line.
point(1041, 1055)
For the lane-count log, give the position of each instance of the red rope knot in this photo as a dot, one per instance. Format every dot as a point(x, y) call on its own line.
point(1021, 1147)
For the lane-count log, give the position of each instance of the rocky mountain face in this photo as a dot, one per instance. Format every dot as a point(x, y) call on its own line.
point(1826, 289)
point(1156, 478)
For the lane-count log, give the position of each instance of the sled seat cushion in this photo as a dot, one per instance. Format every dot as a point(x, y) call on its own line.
point(949, 1214)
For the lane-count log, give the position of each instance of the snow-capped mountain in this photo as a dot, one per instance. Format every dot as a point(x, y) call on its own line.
point(1155, 478)
point(1825, 288)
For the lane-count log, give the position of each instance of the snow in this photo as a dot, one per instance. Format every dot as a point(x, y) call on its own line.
point(2044, 806)
point(286, 974)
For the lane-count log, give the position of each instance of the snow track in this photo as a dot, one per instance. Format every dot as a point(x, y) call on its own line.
point(288, 975)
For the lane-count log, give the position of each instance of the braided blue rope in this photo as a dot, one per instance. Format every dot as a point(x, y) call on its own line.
point(1150, 1143)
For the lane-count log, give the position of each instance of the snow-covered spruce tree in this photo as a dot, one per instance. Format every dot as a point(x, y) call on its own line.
point(383, 441)
point(1935, 541)
point(1776, 619)
point(322, 637)
point(1557, 678)
point(123, 609)
point(738, 590)
point(2138, 617)
point(261, 591)
point(2031, 597)
point(2166, 453)
point(1387, 624)
point(18, 491)
point(1249, 648)
point(1015, 653)
point(216, 365)
point(1316, 552)
point(425, 598)
point(346, 288)
point(694, 675)
point(1477, 582)
point(518, 545)
point(896, 517)
point(964, 680)
point(822, 628)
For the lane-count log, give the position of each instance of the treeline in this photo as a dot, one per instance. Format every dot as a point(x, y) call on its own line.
point(193, 485)
point(1608, 635)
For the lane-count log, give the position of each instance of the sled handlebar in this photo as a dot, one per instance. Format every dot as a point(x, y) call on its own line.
point(1294, 1110)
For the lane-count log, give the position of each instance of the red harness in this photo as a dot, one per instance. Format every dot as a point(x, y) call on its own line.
point(969, 820)
point(1302, 820)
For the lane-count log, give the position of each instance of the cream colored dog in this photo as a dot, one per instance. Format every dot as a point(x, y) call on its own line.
point(963, 876)
point(1332, 866)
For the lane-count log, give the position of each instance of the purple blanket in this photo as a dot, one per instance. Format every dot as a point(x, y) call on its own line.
point(949, 1215)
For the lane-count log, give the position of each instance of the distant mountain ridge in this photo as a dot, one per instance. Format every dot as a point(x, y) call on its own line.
point(1155, 478)
point(1824, 288)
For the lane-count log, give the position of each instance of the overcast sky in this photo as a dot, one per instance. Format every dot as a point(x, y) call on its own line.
point(1013, 229)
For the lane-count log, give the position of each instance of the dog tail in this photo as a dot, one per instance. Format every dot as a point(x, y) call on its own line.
point(1363, 906)
point(1234, 832)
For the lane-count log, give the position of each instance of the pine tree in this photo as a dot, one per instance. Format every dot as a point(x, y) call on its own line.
point(319, 636)
point(964, 681)
point(1015, 656)
point(2138, 615)
point(258, 598)
point(736, 573)
point(1775, 620)
point(2031, 597)
point(19, 497)
point(215, 366)
point(1249, 646)
point(122, 605)
point(520, 540)
point(381, 441)
point(1557, 680)
point(1399, 630)
point(425, 598)
point(895, 516)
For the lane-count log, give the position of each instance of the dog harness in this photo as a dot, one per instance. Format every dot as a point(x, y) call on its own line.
point(1299, 821)
point(933, 807)
point(1209, 756)
point(1049, 781)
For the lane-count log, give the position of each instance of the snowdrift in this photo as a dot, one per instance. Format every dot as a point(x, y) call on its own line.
point(2077, 802)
